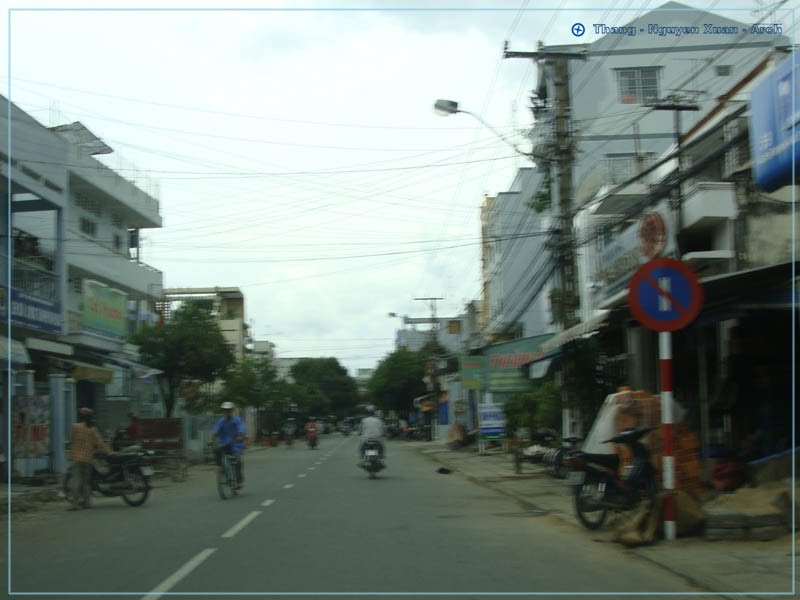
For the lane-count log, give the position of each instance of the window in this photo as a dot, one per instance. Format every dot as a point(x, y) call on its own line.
point(723, 70)
point(88, 227)
point(639, 85)
point(454, 327)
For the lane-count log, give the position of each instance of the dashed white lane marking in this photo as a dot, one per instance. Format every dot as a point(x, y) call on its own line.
point(302, 475)
point(241, 524)
point(166, 585)
point(288, 485)
point(268, 502)
point(311, 468)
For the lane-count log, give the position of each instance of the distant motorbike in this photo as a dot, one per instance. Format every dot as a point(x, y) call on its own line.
point(372, 460)
point(311, 437)
point(598, 486)
point(125, 474)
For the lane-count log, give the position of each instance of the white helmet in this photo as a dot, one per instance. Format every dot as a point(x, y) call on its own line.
point(226, 406)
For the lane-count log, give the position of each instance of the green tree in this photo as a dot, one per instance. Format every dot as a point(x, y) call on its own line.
point(252, 382)
point(189, 346)
point(323, 387)
point(398, 380)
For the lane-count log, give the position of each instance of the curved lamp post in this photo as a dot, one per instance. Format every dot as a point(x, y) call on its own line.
point(450, 107)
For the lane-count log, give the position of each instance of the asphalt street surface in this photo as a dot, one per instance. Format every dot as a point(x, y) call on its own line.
point(311, 522)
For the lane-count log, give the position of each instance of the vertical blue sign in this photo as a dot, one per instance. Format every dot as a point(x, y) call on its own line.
point(775, 126)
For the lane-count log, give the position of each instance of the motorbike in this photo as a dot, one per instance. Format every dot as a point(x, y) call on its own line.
point(372, 461)
point(311, 437)
point(599, 488)
point(125, 474)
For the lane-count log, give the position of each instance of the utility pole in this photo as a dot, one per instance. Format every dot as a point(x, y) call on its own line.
point(675, 103)
point(565, 244)
point(565, 153)
point(434, 322)
point(432, 366)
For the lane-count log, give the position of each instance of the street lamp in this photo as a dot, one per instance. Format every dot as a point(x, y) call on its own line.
point(403, 318)
point(450, 107)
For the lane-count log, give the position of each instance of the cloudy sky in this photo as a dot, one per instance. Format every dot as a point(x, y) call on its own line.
point(295, 150)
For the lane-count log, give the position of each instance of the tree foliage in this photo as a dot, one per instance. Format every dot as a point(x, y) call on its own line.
point(252, 382)
point(322, 386)
point(535, 410)
point(398, 380)
point(189, 346)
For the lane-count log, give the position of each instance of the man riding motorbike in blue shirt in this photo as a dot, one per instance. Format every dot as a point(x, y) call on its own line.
point(229, 432)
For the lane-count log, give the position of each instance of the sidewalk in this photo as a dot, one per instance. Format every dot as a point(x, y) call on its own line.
point(753, 568)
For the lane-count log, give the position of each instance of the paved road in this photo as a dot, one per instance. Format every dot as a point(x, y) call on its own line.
point(310, 521)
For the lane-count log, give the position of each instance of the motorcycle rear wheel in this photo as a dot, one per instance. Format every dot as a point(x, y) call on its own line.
point(142, 486)
point(587, 505)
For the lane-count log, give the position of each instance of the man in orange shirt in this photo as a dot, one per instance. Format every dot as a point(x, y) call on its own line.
point(84, 439)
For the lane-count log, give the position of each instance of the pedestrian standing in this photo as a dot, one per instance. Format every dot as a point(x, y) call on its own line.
point(84, 439)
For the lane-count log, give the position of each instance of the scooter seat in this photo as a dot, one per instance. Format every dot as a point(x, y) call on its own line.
point(607, 460)
point(121, 457)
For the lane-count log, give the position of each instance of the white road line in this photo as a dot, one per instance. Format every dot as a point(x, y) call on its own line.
point(166, 585)
point(311, 468)
point(268, 502)
point(241, 524)
point(302, 475)
point(288, 485)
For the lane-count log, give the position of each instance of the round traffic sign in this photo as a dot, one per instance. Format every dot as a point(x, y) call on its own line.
point(664, 294)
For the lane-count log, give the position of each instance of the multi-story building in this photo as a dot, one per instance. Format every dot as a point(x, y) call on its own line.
point(616, 100)
point(450, 332)
point(518, 264)
point(734, 228)
point(78, 285)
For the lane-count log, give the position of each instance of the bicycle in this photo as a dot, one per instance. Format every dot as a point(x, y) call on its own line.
point(227, 479)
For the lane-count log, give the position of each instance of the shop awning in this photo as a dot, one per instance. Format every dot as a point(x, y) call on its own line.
point(539, 368)
point(139, 370)
point(14, 349)
point(588, 327)
point(86, 372)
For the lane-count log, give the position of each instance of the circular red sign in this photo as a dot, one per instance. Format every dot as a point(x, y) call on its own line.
point(652, 234)
point(664, 294)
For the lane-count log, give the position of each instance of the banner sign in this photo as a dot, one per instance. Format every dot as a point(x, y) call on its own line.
point(471, 372)
point(506, 364)
point(31, 417)
point(652, 235)
point(104, 309)
point(30, 311)
point(491, 421)
point(775, 126)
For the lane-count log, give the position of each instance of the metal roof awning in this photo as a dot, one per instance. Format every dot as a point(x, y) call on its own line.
point(85, 372)
point(140, 371)
point(15, 350)
point(588, 327)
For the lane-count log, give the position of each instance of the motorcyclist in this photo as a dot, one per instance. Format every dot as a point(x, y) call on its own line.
point(229, 431)
point(312, 431)
point(371, 427)
point(289, 430)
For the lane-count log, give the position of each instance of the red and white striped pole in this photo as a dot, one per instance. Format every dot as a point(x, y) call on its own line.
point(668, 462)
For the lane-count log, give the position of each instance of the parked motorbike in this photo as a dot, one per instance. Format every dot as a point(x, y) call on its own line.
point(125, 474)
point(599, 488)
point(372, 461)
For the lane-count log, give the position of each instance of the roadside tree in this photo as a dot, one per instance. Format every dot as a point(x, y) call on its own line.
point(189, 347)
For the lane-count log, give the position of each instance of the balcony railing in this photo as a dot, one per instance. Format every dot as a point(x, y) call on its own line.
point(33, 279)
point(606, 172)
